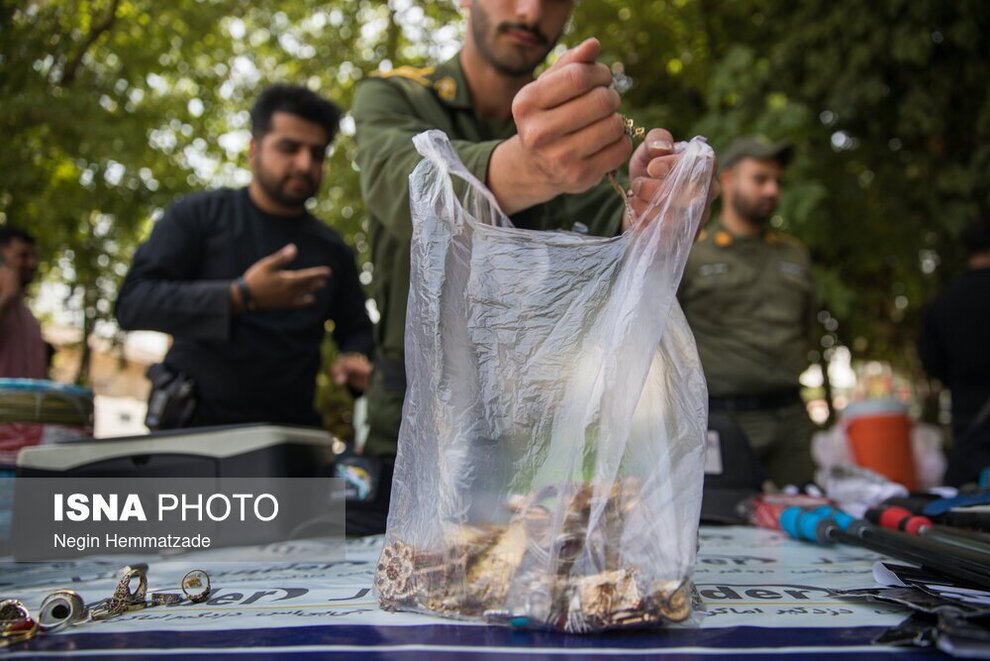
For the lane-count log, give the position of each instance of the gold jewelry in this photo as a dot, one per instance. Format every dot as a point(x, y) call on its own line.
point(123, 592)
point(13, 611)
point(196, 585)
point(630, 128)
point(123, 599)
point(16, 623)
point(635, 133)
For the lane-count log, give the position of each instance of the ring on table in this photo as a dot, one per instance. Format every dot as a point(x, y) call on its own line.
point(165, 598)
point(102, 610)
point(60, 609)
point(16, 623)
point(24, 631)
point(123, 599)
point(196, 585)
point(13, 611)
point(123, 592)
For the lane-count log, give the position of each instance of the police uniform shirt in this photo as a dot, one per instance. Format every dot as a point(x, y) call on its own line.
point(751, 304)
point(392, 107)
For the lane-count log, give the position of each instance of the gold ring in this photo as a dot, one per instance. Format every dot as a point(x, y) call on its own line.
point(123, 591)
point(196, 585)
point(123, 599)
point(13, 611)
point(16, 623)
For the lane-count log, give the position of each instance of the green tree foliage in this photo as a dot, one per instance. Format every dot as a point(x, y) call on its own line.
point(113, 108)
point(887, 104)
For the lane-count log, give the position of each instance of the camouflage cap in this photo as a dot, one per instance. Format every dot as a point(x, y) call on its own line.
point(755, 147)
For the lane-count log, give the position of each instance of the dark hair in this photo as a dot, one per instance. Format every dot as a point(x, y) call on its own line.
point(976, 237)
point(295, 100)
point(8, 234)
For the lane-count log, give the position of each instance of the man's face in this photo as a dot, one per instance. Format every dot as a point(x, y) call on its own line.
point(514, 36)
point(287, 162)
point(22, 257)
point(752, 187)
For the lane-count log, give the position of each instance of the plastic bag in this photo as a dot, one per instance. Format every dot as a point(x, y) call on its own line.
point(550, 459)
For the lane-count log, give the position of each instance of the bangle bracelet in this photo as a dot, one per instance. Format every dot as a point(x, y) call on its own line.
point(246, 297)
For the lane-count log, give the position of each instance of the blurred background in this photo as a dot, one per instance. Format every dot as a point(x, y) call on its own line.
point(114, 108)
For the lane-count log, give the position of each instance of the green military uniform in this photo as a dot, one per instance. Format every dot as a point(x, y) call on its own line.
point(389, 109)
point(751, 304)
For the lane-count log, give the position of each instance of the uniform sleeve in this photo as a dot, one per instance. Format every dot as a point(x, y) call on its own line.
point(160, 291)
point(386, 119)
point(352, 328)
point(601, 210)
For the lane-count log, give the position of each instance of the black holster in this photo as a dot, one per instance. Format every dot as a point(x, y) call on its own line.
point(172, 402)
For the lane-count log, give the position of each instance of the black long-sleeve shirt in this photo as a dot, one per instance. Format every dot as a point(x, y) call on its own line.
point(954, 347)
point(257, 366)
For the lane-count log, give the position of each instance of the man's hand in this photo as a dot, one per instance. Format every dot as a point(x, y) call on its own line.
point(569, 133)
point(273, 287)
point(352, 370)
point(648, 170)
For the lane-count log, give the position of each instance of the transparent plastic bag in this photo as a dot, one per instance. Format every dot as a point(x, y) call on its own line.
point(550, 460)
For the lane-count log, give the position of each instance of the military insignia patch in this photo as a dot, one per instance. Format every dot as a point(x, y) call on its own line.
point(446, 88)
point(412, 73)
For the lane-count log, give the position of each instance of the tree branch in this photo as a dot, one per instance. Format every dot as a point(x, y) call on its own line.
point(72, 67)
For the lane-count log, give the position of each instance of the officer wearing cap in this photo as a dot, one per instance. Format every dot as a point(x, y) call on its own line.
point(749, 297)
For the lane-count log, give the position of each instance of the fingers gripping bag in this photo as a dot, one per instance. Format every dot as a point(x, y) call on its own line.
point(550, 459)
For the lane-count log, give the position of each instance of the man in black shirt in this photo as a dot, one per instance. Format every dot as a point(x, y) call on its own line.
point(246, 280)
point(954, 349)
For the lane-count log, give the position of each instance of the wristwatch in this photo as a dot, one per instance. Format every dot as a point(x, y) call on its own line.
point(249, 303)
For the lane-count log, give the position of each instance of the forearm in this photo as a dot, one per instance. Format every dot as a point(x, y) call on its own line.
point(512, 180)
point(357, 339)
point(198, 309)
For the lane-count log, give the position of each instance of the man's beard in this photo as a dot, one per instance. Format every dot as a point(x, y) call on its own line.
point(275, 188)
point(754, 213)
point(507, 64)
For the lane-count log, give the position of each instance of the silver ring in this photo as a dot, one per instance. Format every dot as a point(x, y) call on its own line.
point(100, 610)
point(61, 609)
point(165, 598)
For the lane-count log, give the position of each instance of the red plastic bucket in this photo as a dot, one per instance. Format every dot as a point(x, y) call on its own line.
point(879, 433)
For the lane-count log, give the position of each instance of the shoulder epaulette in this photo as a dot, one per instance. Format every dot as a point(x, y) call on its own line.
point(774, 238)
point(417, 74)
